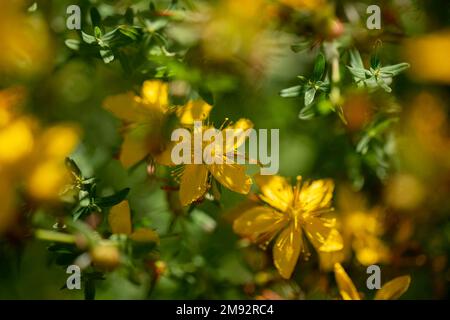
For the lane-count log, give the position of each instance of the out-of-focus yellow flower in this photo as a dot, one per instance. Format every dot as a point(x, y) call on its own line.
point(391, 290)
point(291, 211)
point(428, 56)
point(195, 178)
point(47, 170)
point(404, 191)
point(119, 220)
point(423, 144)
point(232, 35)
point(144, 116)
point(304, 4)
point(16, 141)
point(361, 228)
point(25, 46)
point(30, 156)
point(423, 139)
point(234, 28)
point(105, 255)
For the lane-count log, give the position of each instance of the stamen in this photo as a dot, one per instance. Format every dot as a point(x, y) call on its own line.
point(226, 122)
point(297, 189)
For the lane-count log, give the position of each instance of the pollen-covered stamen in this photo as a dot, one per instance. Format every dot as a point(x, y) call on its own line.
point(177, 172)
point(297, 191)
point(225, 123)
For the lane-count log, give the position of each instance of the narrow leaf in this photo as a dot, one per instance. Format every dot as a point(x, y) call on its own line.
point(309, 96)
point(319, 67)
point(113, 199)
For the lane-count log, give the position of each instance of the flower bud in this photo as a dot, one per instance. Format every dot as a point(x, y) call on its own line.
point(105, 256)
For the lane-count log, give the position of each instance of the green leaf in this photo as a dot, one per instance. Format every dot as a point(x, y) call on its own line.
point(73, 167)
point(129, 32)
point(309, 96)
point(98, 32)
point(355, 59)
point(107, 55)
point(356, 67)
point(374, 62)
point(319, 67)
point(156, 25)
point(358, 73)
point(291, 92)
point(323, 86)
point(88, 38)
point(383, 85)
point(95, 17)
point(110, 201)
point(129, 16)
point(72, 44)
point(79, 212)
point(33, 7)
point(301, 46)
point(307, 113)
point(363, 144)
point(391, 71)
point(206, 95)
point(375, 130)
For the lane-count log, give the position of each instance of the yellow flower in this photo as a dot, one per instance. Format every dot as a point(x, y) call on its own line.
point(30, 156)
point(25, 49)
point(119, 220)
point(428, 57)
point(195, 178)
point(291, 212)
point(391, 290)
point(47, 173)
point(144, 116)
point(361, 228)
point(304, 4)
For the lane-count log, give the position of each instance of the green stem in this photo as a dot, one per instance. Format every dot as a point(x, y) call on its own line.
point(48, 235)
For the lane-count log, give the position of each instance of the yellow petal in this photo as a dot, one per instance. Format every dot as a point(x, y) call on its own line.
point(155, 94)
point(304, 4)
point(59, 141)
point(322, 233)
point(236, 211)
point(286, 250)
point(316, 195)
point(193, 184)
point(260, 224)
point(135, 146)
point(239, 134)
point(119, 218)
point(346, 287)
point(197, 110)
point(428, 58)
point(125, 107)
point(145, 235)
point(393, 289)
point(16, 141)
point(47, 180)
point(275, 190)
point(329, 259)
point(369, 249)
point(165, 156)
point(231, 176)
